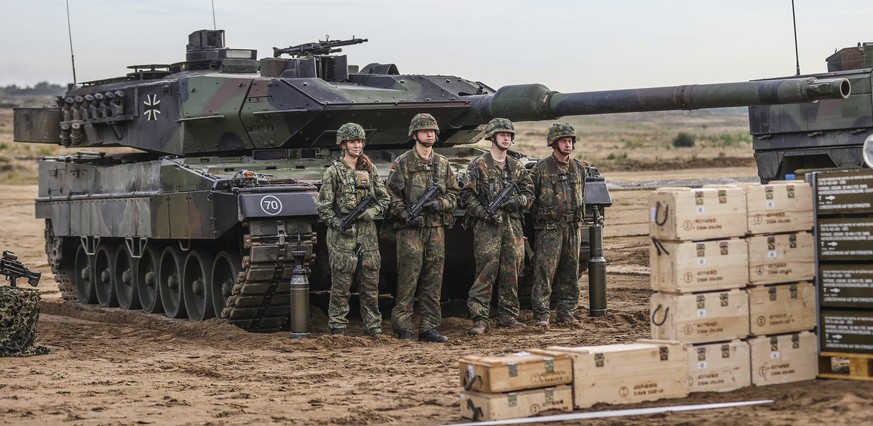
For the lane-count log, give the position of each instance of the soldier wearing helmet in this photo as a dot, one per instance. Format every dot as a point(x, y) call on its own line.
point(498, 238)
point(557, 210)
point(353, 251)
point(421, 239)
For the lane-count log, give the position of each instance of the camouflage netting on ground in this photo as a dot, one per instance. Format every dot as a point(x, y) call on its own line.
point(19, 311)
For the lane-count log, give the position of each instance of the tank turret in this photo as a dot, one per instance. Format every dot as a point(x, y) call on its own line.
point(791, 139)
point(215, 102)
point(217, 208)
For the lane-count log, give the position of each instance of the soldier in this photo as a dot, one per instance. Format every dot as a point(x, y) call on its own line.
point(421, 239)
point(353, 251)
point(498, 238)
point(559, 185)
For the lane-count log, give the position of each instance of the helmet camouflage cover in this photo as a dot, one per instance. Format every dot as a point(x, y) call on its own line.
point(423, 121)
point(350, 132)
point(499, 125)
point(560, 130)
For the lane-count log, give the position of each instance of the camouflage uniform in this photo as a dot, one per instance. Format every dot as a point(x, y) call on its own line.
point(420, 250)
point(342, 189)
point(19, 312)
point(498, 248)
point(557, 213)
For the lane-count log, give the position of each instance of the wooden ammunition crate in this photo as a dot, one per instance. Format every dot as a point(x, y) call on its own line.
point(847, 366)
point(784, 358)
point(522, 370)
point(781, 258)
point(781, 206)
point(844, 191)
point(846, 285)
point(700, 317)
point(684, 267)
point(846, 331)
point(627, 373)
point(697, 214)
point(512, 405)
point(782, 308)
point(845, 238)
point(719, 367)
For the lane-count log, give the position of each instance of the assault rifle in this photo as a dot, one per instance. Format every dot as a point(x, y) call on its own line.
point(317, 48)
point(501, 198)
point(428, 196)
point(13, 269)
point(362, 206)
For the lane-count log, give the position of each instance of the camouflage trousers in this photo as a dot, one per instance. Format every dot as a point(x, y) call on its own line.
point(19, 312)
point(555, 267)
point(420, 260)
point(499, 253)
point(345, 268)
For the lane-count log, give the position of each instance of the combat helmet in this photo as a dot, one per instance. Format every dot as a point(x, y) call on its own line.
point(423, 121)
point(560, 130)
point(499, 125)
point(350, 132)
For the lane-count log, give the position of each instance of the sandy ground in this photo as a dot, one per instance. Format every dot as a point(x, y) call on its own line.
point(109, 366)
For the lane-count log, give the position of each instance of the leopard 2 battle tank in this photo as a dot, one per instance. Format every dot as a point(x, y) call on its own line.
point(215, 205)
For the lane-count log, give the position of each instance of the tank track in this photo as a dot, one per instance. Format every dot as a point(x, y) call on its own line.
point(55, 252)
point(260, 299)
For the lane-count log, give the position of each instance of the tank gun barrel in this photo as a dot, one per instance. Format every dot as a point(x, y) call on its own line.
point(533, 102)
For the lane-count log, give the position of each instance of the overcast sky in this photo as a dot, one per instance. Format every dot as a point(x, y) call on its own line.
point(566, 45)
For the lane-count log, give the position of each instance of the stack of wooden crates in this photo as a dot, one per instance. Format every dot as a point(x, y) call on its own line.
point(528, 383)
point(522, 384)
point(844, 211)
point(731, 266)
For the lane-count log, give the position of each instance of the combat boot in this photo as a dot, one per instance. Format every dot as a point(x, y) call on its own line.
point(337, 331)
point(405, 335)
point(479, 327)
point(432, 336)
point(510, 322)
point(373, 332)
point(566, 320)
point(543, 320)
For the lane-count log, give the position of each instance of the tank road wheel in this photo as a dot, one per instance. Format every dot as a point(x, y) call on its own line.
point(103, 274)
point(170, 282)
point(197, 285)
point(123, 278)
point(83, 277)
point(224, 272)
point(146, 281)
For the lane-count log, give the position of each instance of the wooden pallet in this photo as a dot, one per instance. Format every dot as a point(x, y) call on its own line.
point(860, 366)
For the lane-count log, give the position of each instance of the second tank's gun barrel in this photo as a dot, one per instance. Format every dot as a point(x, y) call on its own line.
point(532, 102)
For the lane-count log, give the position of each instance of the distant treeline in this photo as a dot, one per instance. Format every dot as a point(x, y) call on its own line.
point(43, 88)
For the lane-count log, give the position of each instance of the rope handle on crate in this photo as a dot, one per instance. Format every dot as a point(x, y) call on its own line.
point(655, 312)
point(659, 246)
point(477, 411)
point(468, 385)
point(666, 213)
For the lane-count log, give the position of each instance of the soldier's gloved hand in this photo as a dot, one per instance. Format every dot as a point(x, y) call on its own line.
point(418, 221)
point(338, 227)
point(496, 219)
point(434, 206)
point(513, 204)
point(370, 214)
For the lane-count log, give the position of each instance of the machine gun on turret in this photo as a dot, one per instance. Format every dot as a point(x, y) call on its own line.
point(320, 47)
